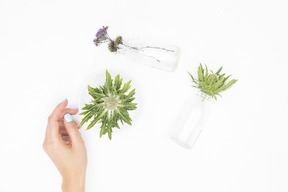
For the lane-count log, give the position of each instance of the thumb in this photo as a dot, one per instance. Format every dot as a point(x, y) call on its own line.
point(72, 129)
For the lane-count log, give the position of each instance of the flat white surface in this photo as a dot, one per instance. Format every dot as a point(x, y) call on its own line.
point(46, 53)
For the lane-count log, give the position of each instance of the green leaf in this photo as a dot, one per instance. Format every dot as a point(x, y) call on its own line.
point(130, 100)
point(229, 84)
point(130, 95)
point(123, 114)
point(86, 118)
point(200, 73)
point(192, 78)
point(206, 73)
point(110, 133)
point(117, 82)
point(92, 123)
point(126, 87)
point(84, 112)
point(219, 70)
point(219, 83)
point(108, 84)
point(130, 106)
point(226, 78)
point(102, 131)
point(95, 94)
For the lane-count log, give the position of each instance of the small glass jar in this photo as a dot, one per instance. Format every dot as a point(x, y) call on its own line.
point(154, 54)
point(190, 122)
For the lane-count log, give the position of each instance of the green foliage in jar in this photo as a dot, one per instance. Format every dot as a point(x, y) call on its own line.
point(211, 84)
point(111, 103)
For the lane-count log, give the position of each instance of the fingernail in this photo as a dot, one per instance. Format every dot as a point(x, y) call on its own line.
point(63, 100)
point(68, 117)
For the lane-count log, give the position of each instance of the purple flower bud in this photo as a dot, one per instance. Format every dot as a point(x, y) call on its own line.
point(101, 35)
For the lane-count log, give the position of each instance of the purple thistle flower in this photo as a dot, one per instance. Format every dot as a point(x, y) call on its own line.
point(102, 32)
point(101, 35)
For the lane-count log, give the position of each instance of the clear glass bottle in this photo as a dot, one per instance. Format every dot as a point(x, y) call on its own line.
point(190, 122)
point(154, 54)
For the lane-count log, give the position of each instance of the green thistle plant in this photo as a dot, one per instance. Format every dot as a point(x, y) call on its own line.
point(211, 84)
point(110, 105)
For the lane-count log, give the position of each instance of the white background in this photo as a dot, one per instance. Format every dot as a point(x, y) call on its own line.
point(46, 53)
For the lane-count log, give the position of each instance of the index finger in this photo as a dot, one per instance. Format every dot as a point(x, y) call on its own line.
point(53, 127)
point(56, 114)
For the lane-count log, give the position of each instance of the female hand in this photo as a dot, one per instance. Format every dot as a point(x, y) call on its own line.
point(70, 156)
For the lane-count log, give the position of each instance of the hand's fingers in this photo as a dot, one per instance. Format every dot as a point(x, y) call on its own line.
point(72, 130)
point(62, 128)
point(56, 114)
point(52, 131)
point(70, 111)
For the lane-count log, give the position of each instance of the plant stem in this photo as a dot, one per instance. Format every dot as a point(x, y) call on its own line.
point(137, 49)
point(157, 48)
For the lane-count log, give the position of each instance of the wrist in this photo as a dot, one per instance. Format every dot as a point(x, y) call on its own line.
point(75, 184)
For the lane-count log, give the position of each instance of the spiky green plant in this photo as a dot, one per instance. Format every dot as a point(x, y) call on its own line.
point(110, 105)
point(211, 84)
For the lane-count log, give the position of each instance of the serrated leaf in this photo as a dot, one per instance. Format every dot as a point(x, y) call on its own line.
point(110, 133)
point(219, 70)
point(86, 118)
point(130, 94)
point(200, 73)
point(229, 84)
point(117, 82)
point(94, 94)
point(206, 73)
point(92, 124)
point(126, 87)
point(192, 78)
point(124, 116)
point(102, 131)
point(225, 79)
point(130, 106)
point(219, 83)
